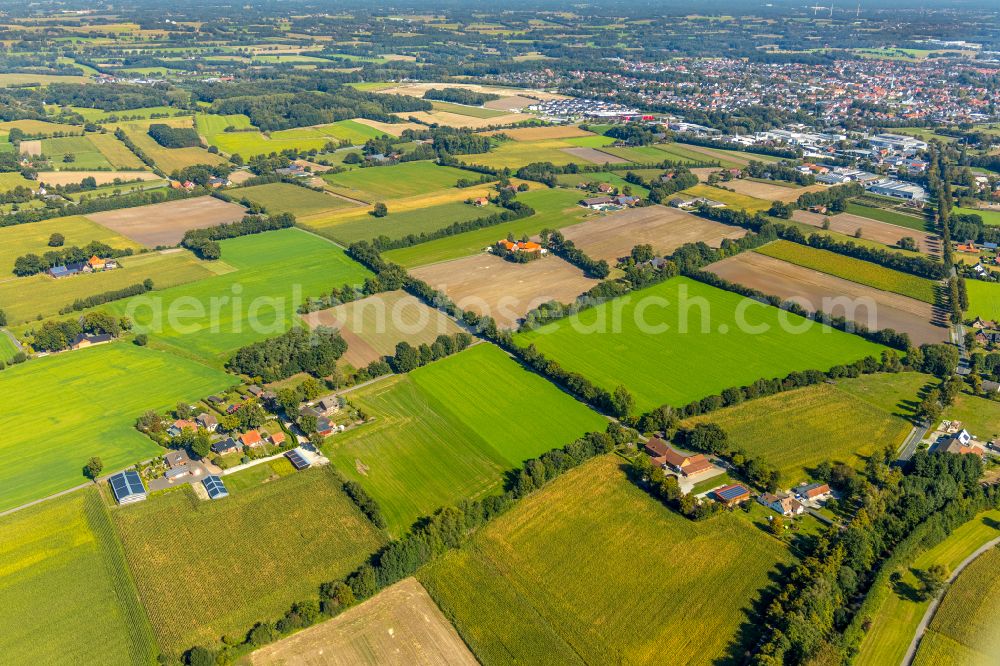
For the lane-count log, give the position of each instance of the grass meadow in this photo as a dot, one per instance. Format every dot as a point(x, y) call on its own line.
point(515, 154)
point(984, 299)
point(361, 225)
point(980, 416)
point(896, 620)
point(207, 569)
point(554, 209)
point(63, 574)
point(731, 199)
point(694, 345)
point(22, 239)
point(61, 410)
point(387, 183)
point(888, 216)
point(449, 430)
point(592, 570)
point(990, 217)
point(81, 151)
point(7, 347)
point(855, 270)
point(249, 142)
point(797, 430)
point(288, 198)
point(168, 159)
point(12, 179)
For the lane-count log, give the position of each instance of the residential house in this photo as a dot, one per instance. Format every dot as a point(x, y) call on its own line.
point(324, 426)
point(675, 461)
point(278, 438)
point(179, 426)
point(98, 264)
point(177, 458)
point(251, 439)
point(596, 202)
point(479, 202)
point(207, 421)
point(255, 390)
point(784, 504)
point(814, 491)
point(329, 405)
point(529, 247)
point(83, 340)
point(224, 446)
point(981, 324)
point(968, 247)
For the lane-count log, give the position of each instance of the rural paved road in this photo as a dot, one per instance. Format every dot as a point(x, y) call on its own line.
point(13, 338)
point(917, 433)
point(911, 652)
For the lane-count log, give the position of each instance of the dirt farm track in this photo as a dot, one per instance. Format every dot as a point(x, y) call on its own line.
point(875, 308)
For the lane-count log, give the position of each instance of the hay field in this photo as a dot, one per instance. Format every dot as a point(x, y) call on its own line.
point(164, 224)
point(115, 152)
point(731, 199)
point(392, 129)
point(590, 569)
point(372, 326)
point(814, 290)
point(288, 198)
point(682, 340)
point(61, 410)
point(399, 626)
point(984, 299)
point(770, 191)
point(449, 430)
point(65, 593)
point(247, 557)
point(613, 236)
point(488, 285)
point(78, 149)
point(462, 121)
point(394, 182)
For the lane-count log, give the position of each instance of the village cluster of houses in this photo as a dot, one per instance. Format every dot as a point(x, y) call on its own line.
point(93, 265)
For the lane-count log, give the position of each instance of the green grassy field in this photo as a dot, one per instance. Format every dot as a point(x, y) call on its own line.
point(668, 347)
point(401, 224)
point(85, 154)
point(896, 621)
point(574, 179)
point(207, 569)
point(250, 142)
point(109, 190)
point(464, 110)
point(889, 216)
point(965, 630)
point(796, 431)
point(100, 115)
point(115, 152)
point(7, 347)
point(990, 217)
point(594, 141)
point(980, 416)
point(592, 570)
point(22, 239)
point(288, 198)
point(677, 152)
point(436, 438)
point(275, 271)
point(855, 270)
point(554, 209)
point(731, 199)
point(640, 154)
point(36, 128)
point(168, 159)
point(65, 593)
point(393, 182)
point(515, 154)
point(12, 179)
point(984, 299)
point(24, 299)
point(61, 410)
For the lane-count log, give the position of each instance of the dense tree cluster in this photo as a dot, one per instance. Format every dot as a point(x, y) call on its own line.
point(112, 96)
point(174, 137)
point(57, 335)
point(460, 96)
point(778, 171)
point(296, 351)
point(31, 264)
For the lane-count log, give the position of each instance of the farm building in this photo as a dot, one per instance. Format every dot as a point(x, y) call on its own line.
point(215, 488)
point(813, 491)
point(784, 504)
point(522, 246)
point(666, 456)
point(596, 202)
point(83, 340)
point(732, 494)
point(298, 460)
point(127, 487)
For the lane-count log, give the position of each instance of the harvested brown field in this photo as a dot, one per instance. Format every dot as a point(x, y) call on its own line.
point(730, 156)
point(372, 326)
point(393, 129)
point(882, 232)
point(512, 103)
point(811, 289)
point(32, 147)
point(102, 177)
point(612, 236)
point(489, 285)
point(594, 156)
point(240, 176)
point(540, 133)
point(400, 625)
point(770, 191)
point(164, 224)
point(463, 122)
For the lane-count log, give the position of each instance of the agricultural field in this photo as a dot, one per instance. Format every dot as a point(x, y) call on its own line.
point(855, 270)
point(74, 152)
point(402, 180)
point(25, 299)
point(372, 326)
point(248, 142)
point(101, 391)
point(288, 198)
point(121, 188)
point(771, 190)
point(872, 308)
point(488, 285)
point(554, 209)
point(965, 629)
point(463, 120)
point(164, 224)
point(984, 299)
point(555, 580)
point(168, 159)
point(101, 177)
point(12, 179)
point(115, 152)
point(640, 154)
point(885, 233)
point(554, 132)
point(465, 110)
point(62, 571)
point(797, 430)
point(38, 128)
point(613, 236)
point(591, 141)
point(400, 625)
point(454, 450)
point(515, 154)
point(244, 558)
point(731, 199)
point(33, 238)
point(665, 355)
point(990, 217)
point(915, 222)
point(896, 620)
point(576, 179)
point(684, 154)
point(274, 272)
point(361, 225)
point(595, 155)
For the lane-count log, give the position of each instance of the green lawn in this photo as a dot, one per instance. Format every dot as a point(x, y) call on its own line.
point(594, 141)
point(7, 347)
point(889, 216)
point(855, 270)
point(393, 182)
point(554, 209)
point(592, 570)
point(85, 154)
point(436, 441)
point(990, 217)
point(275, 272)
point(980, 416)
point(984, 299)
point(288, 198)
point(682, 340)
point(640, 154)
point(61, 410)
point(896, 620)
point(77, 230)
point(797, 430)
point(65, 593)
point(207, 569)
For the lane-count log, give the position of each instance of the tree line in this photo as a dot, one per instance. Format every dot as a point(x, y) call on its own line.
point(108, 296)
point(298, 350)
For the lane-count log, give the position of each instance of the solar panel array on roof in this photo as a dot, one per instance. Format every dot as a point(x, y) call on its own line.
point(731, 492)
point(297, 459)
point(127, 487)
point(216, 489)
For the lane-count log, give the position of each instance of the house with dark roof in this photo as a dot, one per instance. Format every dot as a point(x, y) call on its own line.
point(298, 460)
point(207, 421)
point(84, 340)
point(224, 446)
